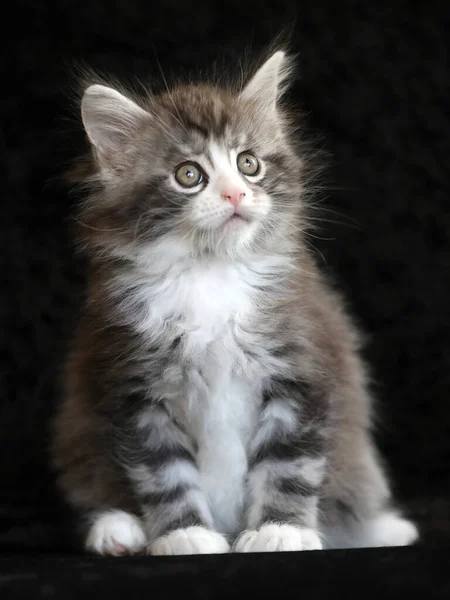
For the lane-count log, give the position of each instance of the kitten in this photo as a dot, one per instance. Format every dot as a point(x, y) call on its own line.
point(214, 394)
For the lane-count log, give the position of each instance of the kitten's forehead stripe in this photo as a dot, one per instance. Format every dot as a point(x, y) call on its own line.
point(217, 154)
point(206, 110)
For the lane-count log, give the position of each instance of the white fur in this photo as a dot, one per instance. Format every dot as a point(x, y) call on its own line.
point(192, 540)
point(389, 529)
point(207, 294)
point(116, 533)
point(226, 424)
point(278, 538)
point(216, 393)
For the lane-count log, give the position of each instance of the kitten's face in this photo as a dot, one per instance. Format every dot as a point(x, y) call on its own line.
point(201, 165)
point(219, 187)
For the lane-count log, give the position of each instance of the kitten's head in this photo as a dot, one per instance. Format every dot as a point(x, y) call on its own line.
point(208, 167)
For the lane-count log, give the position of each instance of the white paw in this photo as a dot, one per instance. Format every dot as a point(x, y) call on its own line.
point(390, 530)
point(278, 538)
point(192, 540)
point(116, 533)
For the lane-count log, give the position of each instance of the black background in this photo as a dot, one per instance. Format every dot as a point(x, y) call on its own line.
point(373, 80)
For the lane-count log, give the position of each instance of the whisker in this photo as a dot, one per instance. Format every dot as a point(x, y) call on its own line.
point(105, 229)
point(136, 227)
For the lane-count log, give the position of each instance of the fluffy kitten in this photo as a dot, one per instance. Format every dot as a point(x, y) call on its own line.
point(214, 394)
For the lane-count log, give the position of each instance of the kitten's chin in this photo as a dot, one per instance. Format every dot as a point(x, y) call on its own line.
point(230, 237)
point(237, 226)
point(237, 235)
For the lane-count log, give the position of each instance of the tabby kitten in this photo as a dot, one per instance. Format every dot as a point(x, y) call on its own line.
point(214, 396)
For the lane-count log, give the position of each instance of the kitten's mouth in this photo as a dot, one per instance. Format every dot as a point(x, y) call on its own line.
point(237, 218)
point(231, 222)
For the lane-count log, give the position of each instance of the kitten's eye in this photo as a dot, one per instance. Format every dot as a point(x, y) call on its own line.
point(188, 175)
point(248, 164)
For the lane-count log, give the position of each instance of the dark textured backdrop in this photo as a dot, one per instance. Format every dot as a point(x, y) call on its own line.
point(374, 80)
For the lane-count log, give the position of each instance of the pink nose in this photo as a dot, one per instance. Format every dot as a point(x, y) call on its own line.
point(233, 196)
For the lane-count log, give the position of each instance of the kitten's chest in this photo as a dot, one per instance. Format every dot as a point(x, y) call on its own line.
point(213, 385)
point(211, 381)
point(214, 379)
point(212, 311)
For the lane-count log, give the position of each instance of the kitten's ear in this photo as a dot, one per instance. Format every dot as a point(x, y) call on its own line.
point(269, 82)
point(110, 120)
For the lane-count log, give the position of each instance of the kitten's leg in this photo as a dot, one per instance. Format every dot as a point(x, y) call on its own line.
point(159, 460)
point(388, 529)
point(359, 509)
point(287, 468)
point(92, 484)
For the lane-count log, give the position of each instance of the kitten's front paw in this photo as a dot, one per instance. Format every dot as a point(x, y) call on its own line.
point(278, 538)
point(192, 540)
point(116, 533)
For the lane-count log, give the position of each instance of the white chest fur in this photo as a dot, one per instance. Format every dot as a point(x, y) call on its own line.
point(222, 399)
point(213, 386)
point(218, 391)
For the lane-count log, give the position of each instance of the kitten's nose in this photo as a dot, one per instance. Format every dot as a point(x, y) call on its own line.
point(233, 196)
